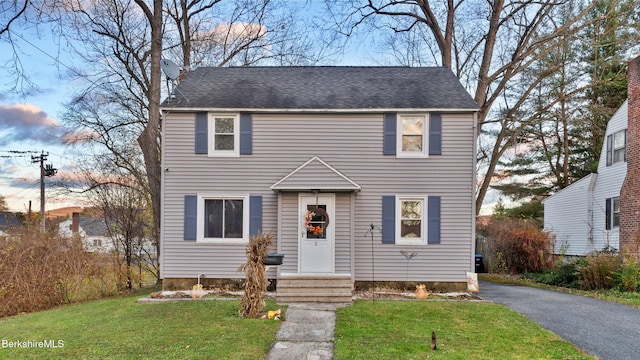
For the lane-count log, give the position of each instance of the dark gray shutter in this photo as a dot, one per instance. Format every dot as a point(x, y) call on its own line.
point(433, 222)
point(388, 219)
point(435, 134)
point(190, 217)
point(389, 133)
point(607, 215)
point(255, 214)
point(201, 133)
point(609, 150)
point(246, 134)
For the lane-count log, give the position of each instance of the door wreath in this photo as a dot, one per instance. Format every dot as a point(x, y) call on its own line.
point(308, 219)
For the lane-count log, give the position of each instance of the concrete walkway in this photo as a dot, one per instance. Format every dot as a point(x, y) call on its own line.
point(604, 329)
point(307, 332)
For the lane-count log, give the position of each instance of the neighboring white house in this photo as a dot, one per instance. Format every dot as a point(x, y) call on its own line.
point(93, 231)
point(585, 216)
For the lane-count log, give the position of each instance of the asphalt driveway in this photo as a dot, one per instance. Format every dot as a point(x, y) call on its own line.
point(604, 329)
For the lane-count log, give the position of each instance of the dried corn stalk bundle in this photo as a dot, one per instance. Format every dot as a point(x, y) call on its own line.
point(256, 279)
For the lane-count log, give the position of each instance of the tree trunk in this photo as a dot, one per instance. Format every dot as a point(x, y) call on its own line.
point(149, 140)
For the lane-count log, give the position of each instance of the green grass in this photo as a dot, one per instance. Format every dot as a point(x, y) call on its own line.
point(465, 330)
point(122, 329)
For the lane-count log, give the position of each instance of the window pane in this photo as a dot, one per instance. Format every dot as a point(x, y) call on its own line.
point(412, 143)
point(411, 219)
point(318, 221)
point(619, 140)
point(618, 155)
point(412, 209)
point(412, 126)
point(233, 218)
point(616, 211)
point(224, 142)
point(213, 218)
point(224, 125)
point(410, 228)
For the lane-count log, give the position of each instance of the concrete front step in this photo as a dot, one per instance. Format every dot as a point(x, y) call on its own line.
point(314, 288)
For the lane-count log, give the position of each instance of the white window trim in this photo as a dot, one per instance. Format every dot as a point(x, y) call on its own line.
point(613, 212)
point(423, 223)
point(425, 137)
point(200, 220)
point(618, 148)
point(211, 143)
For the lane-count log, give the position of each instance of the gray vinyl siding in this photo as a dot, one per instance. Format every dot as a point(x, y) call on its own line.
point(353, 145)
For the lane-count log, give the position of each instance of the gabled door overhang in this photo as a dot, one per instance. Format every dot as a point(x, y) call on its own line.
point(315, 175)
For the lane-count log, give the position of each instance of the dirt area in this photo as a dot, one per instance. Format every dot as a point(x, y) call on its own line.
point(382, 294)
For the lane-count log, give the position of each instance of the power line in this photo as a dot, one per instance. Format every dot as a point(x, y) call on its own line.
point(44, 52)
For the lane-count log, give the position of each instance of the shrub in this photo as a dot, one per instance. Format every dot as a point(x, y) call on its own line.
point(565, 275)
point(525, 248)
point(628, 278)
point(598, 271)
point(40, 271)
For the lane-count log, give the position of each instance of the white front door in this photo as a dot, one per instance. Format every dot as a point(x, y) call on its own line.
point(317, 224)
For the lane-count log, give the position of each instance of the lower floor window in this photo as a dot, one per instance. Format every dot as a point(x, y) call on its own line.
point(411, 217)
point(612, 215)
point(223, 218)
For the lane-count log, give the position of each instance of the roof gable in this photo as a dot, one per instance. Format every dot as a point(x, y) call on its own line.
point(315, 174)
point(321, 88)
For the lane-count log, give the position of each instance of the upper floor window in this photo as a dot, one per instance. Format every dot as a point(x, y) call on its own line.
point(224, 135)
point(412, 132)
point(617, 147)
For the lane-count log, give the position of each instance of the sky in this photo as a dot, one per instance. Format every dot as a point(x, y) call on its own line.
point(30, 122)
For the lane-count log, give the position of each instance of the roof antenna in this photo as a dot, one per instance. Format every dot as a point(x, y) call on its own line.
point(172, 72)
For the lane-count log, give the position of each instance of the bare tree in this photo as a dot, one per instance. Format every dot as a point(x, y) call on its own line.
point(487, 45)
point(121, 43)
point(251, 32)
point(3, 204)
point(124, 208)
point(10, 12)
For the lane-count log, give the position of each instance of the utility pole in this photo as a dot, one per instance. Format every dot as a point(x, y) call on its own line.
point(47, 170)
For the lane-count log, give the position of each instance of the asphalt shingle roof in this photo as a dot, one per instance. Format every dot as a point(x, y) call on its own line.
point(8, 219)
point(321, 87)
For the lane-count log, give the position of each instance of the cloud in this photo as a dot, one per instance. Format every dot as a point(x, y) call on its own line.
point(24, 123)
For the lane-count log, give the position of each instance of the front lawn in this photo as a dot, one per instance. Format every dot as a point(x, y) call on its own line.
point(464, 330)
point(122, 329)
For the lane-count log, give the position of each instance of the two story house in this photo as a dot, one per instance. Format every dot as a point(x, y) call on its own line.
point(585, 216)
point(347, 167)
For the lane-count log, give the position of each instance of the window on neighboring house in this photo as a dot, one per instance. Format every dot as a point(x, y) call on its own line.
point(97, 242)
point(617, 147)
point(412, 130)
point(224, 135)
point(223, 219)
point(410, 215)
point(612, 216)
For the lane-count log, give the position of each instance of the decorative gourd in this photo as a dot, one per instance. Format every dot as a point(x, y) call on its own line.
point(421, 292)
